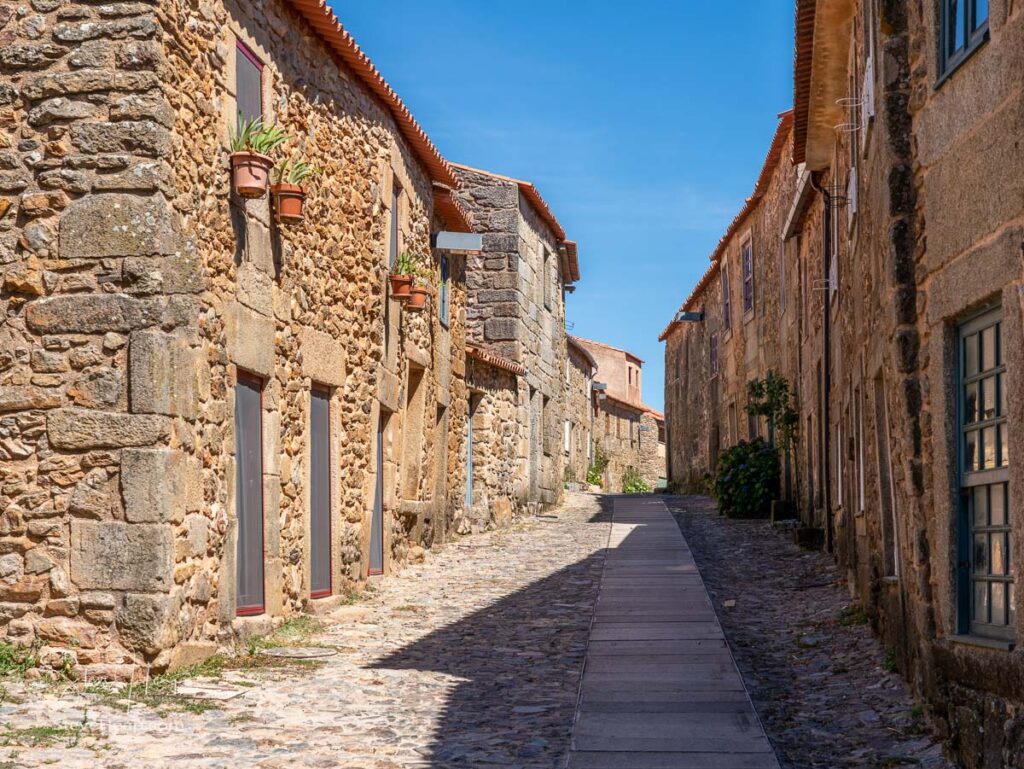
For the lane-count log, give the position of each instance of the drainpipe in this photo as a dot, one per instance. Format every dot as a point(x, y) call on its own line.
point(826, 359)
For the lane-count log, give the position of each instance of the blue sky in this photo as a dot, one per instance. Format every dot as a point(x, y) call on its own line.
point(643, 125)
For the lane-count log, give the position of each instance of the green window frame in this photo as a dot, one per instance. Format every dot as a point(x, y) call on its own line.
point(985, 594)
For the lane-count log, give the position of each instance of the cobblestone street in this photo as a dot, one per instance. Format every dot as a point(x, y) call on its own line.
point(470, 659)
point(474, 658)
point(819, 683)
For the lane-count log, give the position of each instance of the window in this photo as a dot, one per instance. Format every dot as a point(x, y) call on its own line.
point(443, 301)
point(396, 194)
point(782, 277)
point(319, 492)
point(546, 279)
point(985, 581)
point(747, 259)
point(248, 83)
point(249, 598)
point(726, 304)
point(963, 27)
point(713, 354)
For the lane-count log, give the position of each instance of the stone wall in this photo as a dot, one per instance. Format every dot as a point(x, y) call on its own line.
point(135, 288)
point(926, 221)
point(580, 415)
point(499, 399)
point(517, 310)
point(619, 429)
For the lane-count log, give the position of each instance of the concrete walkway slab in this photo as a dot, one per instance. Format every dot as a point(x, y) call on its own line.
point(660, 688)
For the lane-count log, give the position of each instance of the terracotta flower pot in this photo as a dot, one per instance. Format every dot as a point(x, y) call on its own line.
point(250, 173)
point(400, 286)
point(417, 298)
point(288, 202)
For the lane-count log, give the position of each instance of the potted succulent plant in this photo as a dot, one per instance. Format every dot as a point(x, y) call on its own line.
point(251, 145)
point(401, 276)
point(420, 289)
point(288, 189)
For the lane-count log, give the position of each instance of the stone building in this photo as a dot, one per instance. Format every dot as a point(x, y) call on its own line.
point(628, 433)
point(899, 328)
point(581, 368)
point(515, 317)
point(211, 420)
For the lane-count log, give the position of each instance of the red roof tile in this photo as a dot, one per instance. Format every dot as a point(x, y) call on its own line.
point(337, 38)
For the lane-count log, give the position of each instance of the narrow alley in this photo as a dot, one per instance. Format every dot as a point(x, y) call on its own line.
point(580, 638)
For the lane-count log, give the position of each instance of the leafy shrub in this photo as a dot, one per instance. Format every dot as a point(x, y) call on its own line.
point(747, 479)
point(595, 473)
point(632, 483)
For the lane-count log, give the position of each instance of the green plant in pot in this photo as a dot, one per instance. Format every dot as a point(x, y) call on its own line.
point(419, 291)
point(252, 142)
point(402, 274)
point(288, 189)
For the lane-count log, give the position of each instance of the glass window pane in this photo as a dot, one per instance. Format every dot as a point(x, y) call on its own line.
point(998, 554)
point(998, 603)
point(988, 348)
point(988, 448)
point(956, 17)
point(971, 450)
point(980, 13)
point(988, 398)
point(979, 506)
point(971, 404)
point(980, 602)
point(980, 560)
point(248, 84)
point(1011, 613)
point(997, 508)
point(1004, 446)
point(1002, 394)
point(971, 355)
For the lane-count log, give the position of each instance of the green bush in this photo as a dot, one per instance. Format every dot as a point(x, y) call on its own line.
point(632, 483)
point(747, 479)
point(595, 473)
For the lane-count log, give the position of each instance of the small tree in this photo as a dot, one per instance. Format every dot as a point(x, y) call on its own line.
point(771, 398)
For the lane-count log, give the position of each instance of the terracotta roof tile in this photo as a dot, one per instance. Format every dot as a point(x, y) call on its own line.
point(337, 38)
point(771, 162)
point(493, 359)
point(454, 215)
point(530, 192)
point(802, 56)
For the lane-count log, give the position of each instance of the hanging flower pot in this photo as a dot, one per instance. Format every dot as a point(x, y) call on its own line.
point(417, 298)
point(250, 173)
point(288, 202)
point(400, 286)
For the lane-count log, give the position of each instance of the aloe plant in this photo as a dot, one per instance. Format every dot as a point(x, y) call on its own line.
point(292, 171)
point(405, 264)
point(256, 136)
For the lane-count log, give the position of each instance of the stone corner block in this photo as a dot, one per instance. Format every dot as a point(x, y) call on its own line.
point(113, 555)
point(146, 622)
point(80, 429)
point(92, 313)
point(165, 374)
point(159, 485)
point(117, 224)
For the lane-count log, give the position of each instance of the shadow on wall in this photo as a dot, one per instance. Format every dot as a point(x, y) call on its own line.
point(521, 659)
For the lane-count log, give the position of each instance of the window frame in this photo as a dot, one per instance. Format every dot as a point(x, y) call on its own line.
point(243, 50)
point(992, 479)
point(444, 293)
point(726, 297)
point(747, 298)
point(975, 36)
point(713, 354)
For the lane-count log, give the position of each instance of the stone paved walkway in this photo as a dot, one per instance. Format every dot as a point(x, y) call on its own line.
point(660, 688)
point(471, 659)
point(818, 676)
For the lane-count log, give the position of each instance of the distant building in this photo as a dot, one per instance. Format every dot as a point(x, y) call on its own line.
point(628, 433)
